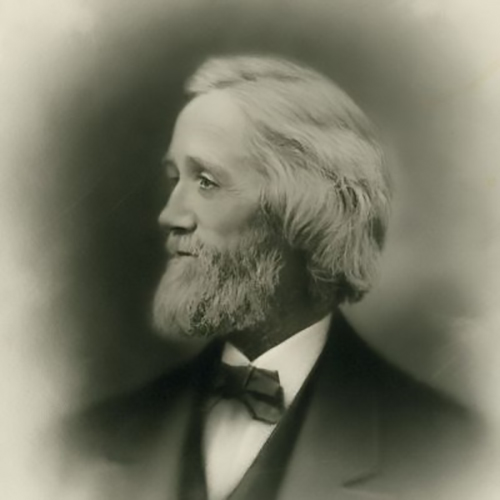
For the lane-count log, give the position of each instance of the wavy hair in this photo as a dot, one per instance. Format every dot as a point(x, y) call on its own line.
point(328, 185)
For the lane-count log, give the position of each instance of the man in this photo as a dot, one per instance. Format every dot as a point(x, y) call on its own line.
point(277, 211)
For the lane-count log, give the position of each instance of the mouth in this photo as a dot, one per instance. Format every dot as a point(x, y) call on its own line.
point(178, 248)
point(179, 254)
point(184, 254)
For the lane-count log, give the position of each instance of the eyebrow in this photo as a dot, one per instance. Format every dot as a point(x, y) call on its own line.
point(202, 164)
point(199, 164)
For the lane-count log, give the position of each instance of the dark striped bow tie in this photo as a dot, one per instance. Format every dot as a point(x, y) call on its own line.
point(258, 389)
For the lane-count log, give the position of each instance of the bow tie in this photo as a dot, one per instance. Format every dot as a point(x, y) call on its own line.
point(258, 389)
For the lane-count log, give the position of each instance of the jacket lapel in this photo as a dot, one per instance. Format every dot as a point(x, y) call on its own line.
point(336, 451)
point(327, 443)
point(263, 479)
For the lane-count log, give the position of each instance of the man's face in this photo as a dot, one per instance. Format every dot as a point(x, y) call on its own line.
point(224, 260)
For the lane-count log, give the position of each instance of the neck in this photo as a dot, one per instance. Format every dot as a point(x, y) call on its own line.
point(252, 343)
point(295, 310)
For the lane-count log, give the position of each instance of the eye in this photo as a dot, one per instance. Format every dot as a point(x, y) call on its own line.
point(172, 181)
point(206, 182)
point(172, 175)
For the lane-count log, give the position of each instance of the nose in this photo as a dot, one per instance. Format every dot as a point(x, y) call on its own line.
point(177, 215)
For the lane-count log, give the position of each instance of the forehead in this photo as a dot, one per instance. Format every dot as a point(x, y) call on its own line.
point(211, 125)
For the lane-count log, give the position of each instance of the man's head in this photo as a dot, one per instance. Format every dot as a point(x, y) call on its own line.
point(277, 187)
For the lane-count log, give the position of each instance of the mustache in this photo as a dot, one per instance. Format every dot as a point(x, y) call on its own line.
point(183, 245)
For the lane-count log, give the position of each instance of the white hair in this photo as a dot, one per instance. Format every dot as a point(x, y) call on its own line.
point(328, 185)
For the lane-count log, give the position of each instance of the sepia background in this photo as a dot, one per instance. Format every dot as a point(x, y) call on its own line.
point(89, 93)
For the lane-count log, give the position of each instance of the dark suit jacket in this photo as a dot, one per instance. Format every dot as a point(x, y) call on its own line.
point(359, 429)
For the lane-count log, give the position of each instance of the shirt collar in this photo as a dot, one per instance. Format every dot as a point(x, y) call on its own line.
point(293, 359)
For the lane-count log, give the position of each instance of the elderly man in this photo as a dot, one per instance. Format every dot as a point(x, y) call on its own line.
point(277, 211)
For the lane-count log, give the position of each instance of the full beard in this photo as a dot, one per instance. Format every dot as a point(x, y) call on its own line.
point(219, 291)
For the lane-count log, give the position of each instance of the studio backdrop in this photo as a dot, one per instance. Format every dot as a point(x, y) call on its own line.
point(90, 95)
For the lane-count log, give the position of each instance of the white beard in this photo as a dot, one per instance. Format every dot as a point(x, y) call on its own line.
point(219, 292)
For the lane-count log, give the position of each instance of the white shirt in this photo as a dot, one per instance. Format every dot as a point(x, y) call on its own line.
point(232, 439)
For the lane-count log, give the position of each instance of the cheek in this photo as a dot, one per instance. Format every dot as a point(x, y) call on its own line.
point(225, 220)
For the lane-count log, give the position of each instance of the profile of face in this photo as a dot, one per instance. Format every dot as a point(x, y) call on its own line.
point(224, 260)
point(278, 202)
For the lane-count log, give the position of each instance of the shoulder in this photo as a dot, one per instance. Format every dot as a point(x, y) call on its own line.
point(122, 427)
point(401, 398)
point(357, 359)
point(425, 438)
